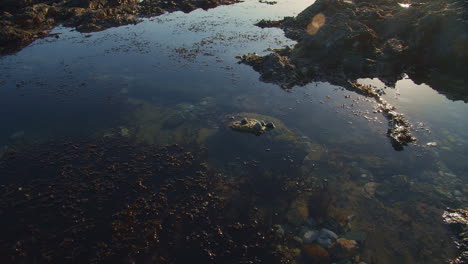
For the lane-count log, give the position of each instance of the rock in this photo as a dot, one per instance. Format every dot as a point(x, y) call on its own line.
point(298, 240)
point(333, 225)
point(97, 4)
point(296, 252)
point(356, 235)
point(457, 220)
point(351, 39)
point(249, 125)
point(27, 20)
point(270, 125)
point(400, 134)
point(348, 40)
point(393, 189)
point(370, 188)
point(310, 236)
point(279, 231)
point(124, 132)
point(311, 222)
point(298, 212)
point(258, 127)
point(316, 253)
point(326, 237)
point(274, 67)
point(344, 248)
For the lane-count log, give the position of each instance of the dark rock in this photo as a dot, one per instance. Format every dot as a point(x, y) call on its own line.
point(270, 125)
point(344, 248)
point(26, 20)
point(457, 220)
point(310, 236)
point(326, 237)
point(316, 253)
point(363, 38)
point(248, 125)
point(393, 189)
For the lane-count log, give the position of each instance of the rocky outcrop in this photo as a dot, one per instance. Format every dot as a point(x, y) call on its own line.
point(457, 220)
point(345, 40)
point(23, 21)
point(251, 125)
point(274, 67)
point(340, 41)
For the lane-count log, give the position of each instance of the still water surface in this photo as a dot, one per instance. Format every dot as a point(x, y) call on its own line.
point(175, 79)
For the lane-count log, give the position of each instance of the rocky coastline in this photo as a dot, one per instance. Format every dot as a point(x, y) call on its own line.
point(345, 40)
point(342, 41)
point(23, 21)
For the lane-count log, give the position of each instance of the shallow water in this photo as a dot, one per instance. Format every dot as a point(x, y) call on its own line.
point(175, 79)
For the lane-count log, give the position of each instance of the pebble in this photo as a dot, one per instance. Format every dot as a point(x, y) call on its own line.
point(298, 240)
point(326, 237)
point(370, 188)
point(311, 223)
point(310, 236)
point(316, 253)
point(258, 126)
point(279, 230)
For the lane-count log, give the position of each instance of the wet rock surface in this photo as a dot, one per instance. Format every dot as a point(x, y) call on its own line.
point(21, 22)
point(457, 220)
point(399, 130)
point(341, 41)
point(251, 125)
point(345, 40)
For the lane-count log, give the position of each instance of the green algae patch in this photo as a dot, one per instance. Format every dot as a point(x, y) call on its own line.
point(279, 135)
point(160, 125)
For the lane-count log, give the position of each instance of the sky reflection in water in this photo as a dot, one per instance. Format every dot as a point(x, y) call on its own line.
point(80, 84)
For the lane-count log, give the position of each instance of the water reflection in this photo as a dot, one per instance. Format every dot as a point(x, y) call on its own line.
point(326, 173)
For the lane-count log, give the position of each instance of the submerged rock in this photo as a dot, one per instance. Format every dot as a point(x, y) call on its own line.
point(370, 188)
point(393, 189)
point(279, 231)
point(310, 236)
point(316, 253)
point(326, 237)
point(274, 67)
point(344, 248)
point(250, 125)
point(298, 212)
